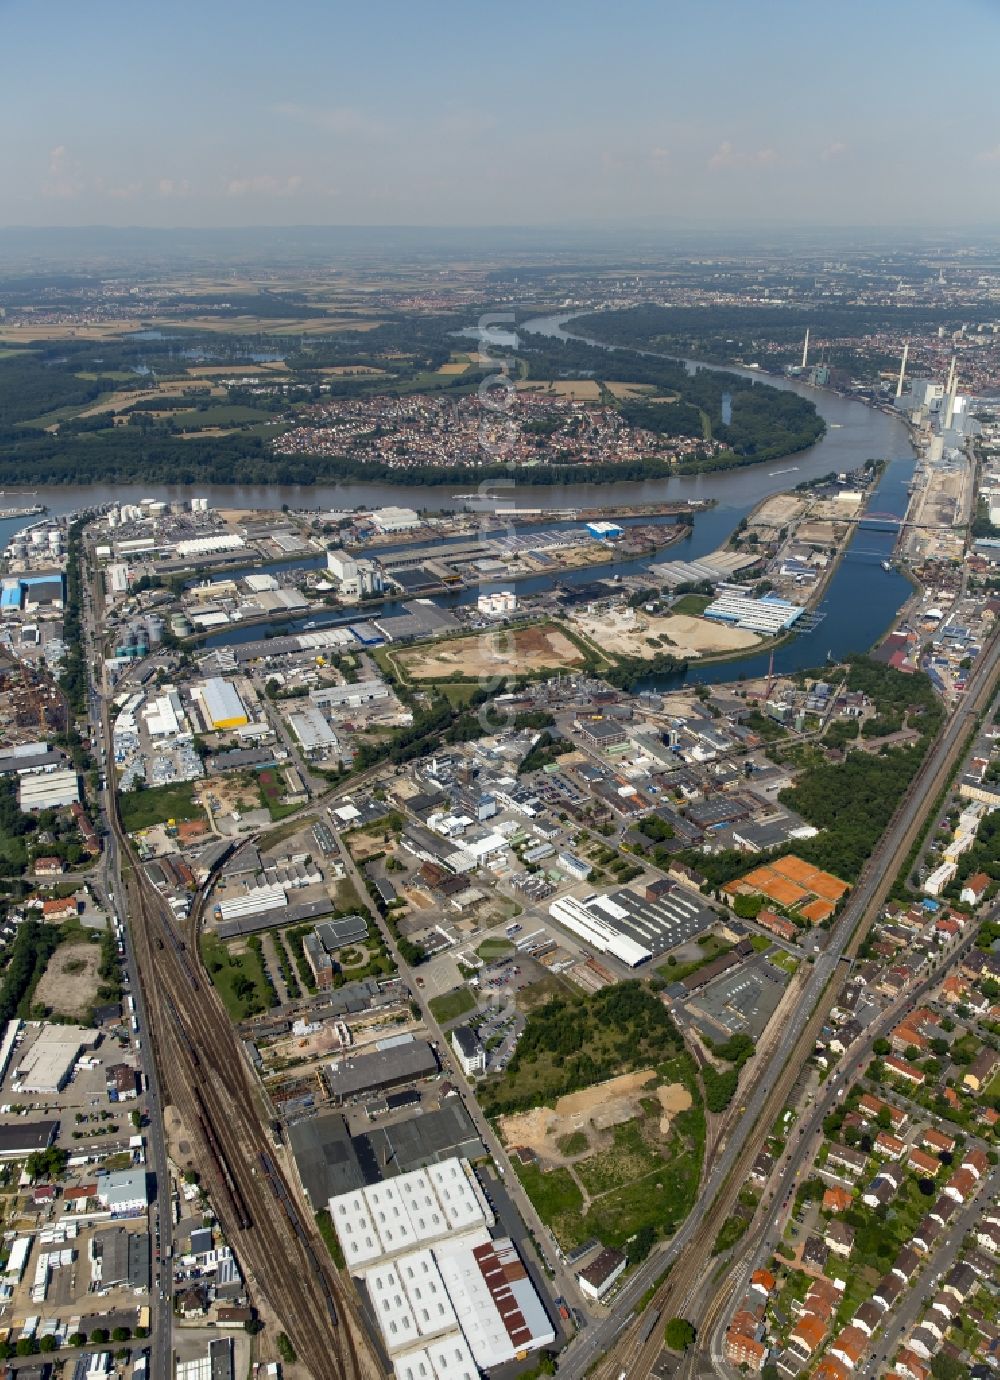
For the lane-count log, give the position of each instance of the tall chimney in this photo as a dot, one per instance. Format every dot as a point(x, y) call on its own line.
point(902, 370)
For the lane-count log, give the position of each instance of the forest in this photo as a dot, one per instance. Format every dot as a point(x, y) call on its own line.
point(573, 1042)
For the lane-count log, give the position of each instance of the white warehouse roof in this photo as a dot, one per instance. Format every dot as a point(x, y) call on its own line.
point(412, 1210)
point(595, 930)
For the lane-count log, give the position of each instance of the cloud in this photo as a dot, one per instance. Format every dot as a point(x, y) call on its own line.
point(171, 187)
point(344, 119)
point(659, 157)
point(263, 185)
point(832, 151)
point(728, 156)
point(128, 192)
point(64, 180)
point(989, 155)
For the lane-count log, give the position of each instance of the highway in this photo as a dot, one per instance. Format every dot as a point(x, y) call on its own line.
point(689, 1253)
point(204, 1074)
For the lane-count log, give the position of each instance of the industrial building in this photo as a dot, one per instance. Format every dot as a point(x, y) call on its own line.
point(450, 1302)
point(605, 531)
point(312, 730)
point(47, 1062)
point(767, 616)
point(415, 1210)
point(586, 920)
point(222, 704)
point(119, 1259)
point(399, 1059)
point(469, 1051)
point(350, 696)
point(24, 1137)
point(48, 790)
point(634, 928)
point(393, 519)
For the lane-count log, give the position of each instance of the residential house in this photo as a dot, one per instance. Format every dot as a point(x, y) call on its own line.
point(975, 889)
point(926, 1234)
point(745, 1351)
point(902, 1068)
point(981, 1070)
point(890, 1146)
point(850, 1346)
point(937, 1141)
point(806, 1336)
point(836, 1199)
point(922, 1163)
point(844, 1157)
point(883, 1188)
point(840, 1238)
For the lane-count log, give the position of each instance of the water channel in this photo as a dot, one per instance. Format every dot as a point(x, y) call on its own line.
point(860, 602)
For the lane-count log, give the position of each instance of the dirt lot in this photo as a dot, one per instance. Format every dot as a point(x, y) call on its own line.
point(543, 647)
point(778, 511)
point(620, 634)
point(69, 983)
point(674, 1098)
point(591, 1110)
point(818, 533)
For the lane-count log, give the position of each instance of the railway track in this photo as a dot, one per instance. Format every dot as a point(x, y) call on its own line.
point(635, 1354)
point(205, 1076)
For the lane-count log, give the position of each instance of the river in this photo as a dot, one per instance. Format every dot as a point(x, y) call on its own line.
point(859, 604)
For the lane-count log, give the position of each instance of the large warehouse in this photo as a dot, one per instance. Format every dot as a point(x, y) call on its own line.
point(586, 920)
point(634, 928)
point(450, 1301)
point(48, 790)
point(222, 704)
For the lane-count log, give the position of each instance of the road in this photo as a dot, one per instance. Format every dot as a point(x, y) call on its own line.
point(689, 1254)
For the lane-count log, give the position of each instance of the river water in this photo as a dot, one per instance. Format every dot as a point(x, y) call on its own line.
point(859, 604)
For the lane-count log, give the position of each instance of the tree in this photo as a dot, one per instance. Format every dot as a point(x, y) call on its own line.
point(679, 1334)
point(121, 1334)
point(881, 1047)
point(48, 1343)
point(25, 1347)
point(99, 1335)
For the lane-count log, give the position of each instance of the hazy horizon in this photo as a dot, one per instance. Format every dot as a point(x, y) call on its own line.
point(711, 117)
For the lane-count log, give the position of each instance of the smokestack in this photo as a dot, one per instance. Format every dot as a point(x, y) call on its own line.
point(805, 349)
point(949, 411)
point(902, 370)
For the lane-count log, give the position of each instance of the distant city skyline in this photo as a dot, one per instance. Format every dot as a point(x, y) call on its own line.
point(711, 114)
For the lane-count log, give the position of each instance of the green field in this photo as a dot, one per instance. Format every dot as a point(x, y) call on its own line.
point(157, 804)
point(492, 949)
point(557, 1199)
point(224, 415)
point(693, 604)
point(239, 979)
point(783, 960)
point(451, 1005)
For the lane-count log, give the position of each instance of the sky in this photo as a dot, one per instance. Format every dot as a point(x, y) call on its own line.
point(540, 113)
